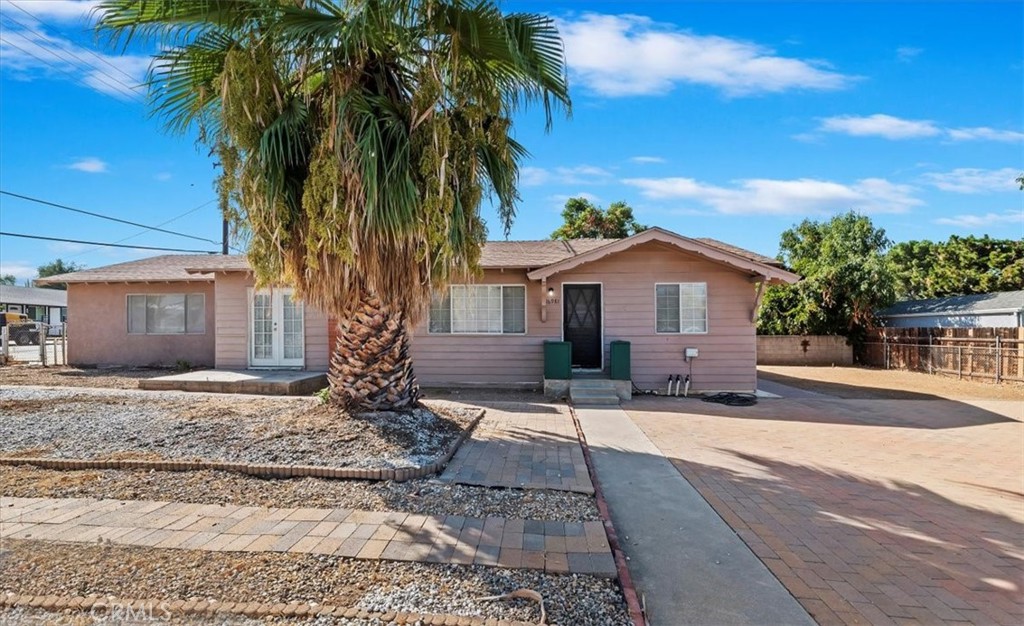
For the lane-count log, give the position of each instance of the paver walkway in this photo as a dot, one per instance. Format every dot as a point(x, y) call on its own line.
point(557, 547)
point(869, 511)
point(686, 561)
point(523, 445)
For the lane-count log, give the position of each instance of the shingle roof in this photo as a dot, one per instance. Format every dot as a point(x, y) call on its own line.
point(10, 294)
point(979, 303)
point(167, 267)
point(495, 255)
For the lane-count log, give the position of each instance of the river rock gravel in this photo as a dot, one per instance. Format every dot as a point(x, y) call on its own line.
point(135, 572)
point(87, 423)
point(423, 496)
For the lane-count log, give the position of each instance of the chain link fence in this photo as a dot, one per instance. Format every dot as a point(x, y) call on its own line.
point(994, 359)
point(43, 348)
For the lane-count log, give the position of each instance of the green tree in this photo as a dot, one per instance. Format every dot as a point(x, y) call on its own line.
point(356, 140)
point(53, 268)
point(584, 220)
point(958, 266)
point(8, 279)
point(846, 279)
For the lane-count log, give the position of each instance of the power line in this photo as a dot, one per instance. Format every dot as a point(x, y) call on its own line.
point(53, 50)
point(143, 232)
point(106, 217)
point(36, 18)
point(107, 245)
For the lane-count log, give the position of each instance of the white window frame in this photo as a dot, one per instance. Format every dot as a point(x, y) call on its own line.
point(707, 307)
point(185, 331)
point(451, 324)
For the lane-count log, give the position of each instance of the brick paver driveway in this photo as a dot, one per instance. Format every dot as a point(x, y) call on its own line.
point(869, 511)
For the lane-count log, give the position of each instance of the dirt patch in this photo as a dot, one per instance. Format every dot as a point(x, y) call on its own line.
point(865, 383)
point(66, 376)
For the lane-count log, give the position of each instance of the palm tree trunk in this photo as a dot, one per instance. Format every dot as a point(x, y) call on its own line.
point(371, 368)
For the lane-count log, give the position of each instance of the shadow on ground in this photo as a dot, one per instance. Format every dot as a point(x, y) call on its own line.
point(930, 413)
point(843, 543)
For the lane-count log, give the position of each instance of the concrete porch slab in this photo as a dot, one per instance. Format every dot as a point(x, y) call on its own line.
point(265, 382)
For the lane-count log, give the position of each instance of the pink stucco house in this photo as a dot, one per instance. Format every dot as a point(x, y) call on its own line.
point(658, 290)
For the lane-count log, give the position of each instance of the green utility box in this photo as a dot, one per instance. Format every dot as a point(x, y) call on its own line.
point(619, 357)
point(557, 360)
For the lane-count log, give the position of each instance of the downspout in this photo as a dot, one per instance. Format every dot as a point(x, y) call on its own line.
point(757, 300)
point(544, 299)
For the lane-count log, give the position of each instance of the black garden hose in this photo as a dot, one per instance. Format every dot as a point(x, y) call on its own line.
point(732, 399)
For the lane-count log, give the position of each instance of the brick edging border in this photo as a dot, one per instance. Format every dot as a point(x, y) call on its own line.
point(127, 608)
point(264, 470)
point(636, 613)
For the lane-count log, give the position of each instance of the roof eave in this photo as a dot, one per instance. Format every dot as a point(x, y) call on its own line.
point(771, 274)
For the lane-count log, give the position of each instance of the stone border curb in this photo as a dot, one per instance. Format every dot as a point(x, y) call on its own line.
point(128, 608)
point(636, 612)
point(257, 469)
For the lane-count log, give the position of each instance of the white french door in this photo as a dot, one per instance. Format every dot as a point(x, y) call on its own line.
point(276, 337)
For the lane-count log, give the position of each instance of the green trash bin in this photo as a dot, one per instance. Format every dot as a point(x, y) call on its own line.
point(557, 360)
point(619, 357)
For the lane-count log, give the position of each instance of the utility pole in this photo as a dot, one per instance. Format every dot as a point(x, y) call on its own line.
point(224, 238)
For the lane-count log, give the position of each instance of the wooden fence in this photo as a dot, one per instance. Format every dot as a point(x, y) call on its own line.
point(990, 354)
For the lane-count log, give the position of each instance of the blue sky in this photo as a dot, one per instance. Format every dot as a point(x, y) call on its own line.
point(728, 120)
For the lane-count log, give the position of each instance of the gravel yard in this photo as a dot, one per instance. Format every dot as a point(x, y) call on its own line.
point(423, 496)
point(63, 569)
point(101, 423)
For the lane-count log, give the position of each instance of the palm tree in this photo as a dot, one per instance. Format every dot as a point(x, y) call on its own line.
point(356, 140)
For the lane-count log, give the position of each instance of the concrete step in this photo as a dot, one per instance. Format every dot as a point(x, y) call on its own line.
point(592, 383)
point(593, 396)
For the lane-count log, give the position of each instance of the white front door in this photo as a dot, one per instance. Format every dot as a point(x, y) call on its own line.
point(276, 337)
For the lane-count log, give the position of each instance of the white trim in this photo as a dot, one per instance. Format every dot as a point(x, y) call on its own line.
point(277, 360)
point(707, 310)
point(451, 324)
point(561, 325)
point(952, 313)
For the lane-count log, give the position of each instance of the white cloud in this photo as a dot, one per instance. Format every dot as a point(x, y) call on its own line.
point(879, 125)
point(163, 176)
point(90, 165)
point(647, 159)
point(983, 221)
point(576, 175)
point(802, 196)
point(19, 269)
point(974, 180)
point(30, 53)
point(985, 133)
point(906, 54)
point(629, 55)
point(891, 127)
point(65, 10)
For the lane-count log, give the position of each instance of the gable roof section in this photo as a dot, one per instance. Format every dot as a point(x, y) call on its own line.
point(727, 255)
point(157, 269)
point(10, 294)
point(998, 302)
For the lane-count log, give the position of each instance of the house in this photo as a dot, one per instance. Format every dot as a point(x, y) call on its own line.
point(49, 306)
point(1003, 309)
point(661, 291)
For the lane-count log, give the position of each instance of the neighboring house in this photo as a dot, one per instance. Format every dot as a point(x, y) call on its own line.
point(659, 290)
point(49, 306)
point(1003, 309)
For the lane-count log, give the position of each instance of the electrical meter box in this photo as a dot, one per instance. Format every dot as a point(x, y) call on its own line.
point(690, 353)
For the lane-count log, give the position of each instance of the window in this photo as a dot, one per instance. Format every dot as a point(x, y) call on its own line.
point(479, 309)
point(167, 314)
point(681, 308)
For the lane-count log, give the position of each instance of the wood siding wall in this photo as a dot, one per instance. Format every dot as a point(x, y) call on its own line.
point(98, 327)
point(728, 351)
point(233, 307)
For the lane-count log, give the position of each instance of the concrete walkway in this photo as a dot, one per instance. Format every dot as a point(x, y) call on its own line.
point(687, 562)
point(557, 547)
